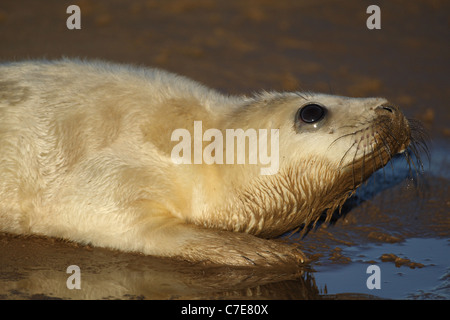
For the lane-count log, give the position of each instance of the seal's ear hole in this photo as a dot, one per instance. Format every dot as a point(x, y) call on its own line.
point(311, 113)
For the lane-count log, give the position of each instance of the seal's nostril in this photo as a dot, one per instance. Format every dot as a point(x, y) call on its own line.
point(382, 108)
point(388, 108)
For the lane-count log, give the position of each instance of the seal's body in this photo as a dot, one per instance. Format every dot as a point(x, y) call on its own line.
point(86, 154)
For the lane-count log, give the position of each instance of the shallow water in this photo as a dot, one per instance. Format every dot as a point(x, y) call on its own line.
point(429, 280)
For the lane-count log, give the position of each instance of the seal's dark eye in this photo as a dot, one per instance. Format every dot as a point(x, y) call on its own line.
point(311, 113)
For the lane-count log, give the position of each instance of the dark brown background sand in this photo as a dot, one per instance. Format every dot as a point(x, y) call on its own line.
point(243, 47)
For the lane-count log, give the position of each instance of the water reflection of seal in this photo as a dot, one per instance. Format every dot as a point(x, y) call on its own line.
point(85, 155)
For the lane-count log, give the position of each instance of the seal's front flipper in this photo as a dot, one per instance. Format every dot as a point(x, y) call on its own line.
point(177, 239)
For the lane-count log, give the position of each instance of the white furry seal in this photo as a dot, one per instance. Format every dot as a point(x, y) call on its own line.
point(85, 155)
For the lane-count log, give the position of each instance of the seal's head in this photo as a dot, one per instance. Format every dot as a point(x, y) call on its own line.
point(328, 146)
point(357, 135)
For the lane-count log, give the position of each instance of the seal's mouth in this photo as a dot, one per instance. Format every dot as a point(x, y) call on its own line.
point(376, 143)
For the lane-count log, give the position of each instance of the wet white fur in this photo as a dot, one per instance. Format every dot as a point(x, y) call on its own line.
point(85, 156)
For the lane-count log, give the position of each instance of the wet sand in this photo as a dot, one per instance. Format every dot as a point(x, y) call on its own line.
point(400, 224)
